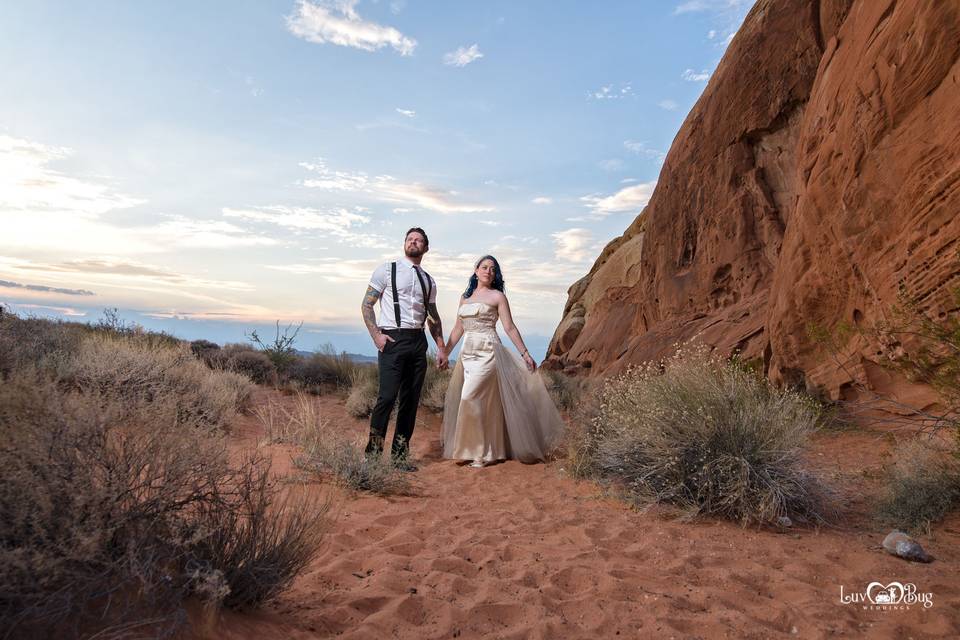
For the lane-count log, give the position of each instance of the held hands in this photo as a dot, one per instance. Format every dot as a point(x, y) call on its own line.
point(528, 360)
point(381, 340)
point(443, 360)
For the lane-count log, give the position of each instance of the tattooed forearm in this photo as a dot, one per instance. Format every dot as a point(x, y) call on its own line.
point(369, 315)
point(433, 322)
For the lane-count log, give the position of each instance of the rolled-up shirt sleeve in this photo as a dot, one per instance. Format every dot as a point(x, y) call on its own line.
point(380, 277)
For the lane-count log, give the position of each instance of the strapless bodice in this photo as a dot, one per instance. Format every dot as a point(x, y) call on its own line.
point(478, 317)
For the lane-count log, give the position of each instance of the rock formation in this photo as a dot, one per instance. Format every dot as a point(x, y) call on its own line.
point(816, 177)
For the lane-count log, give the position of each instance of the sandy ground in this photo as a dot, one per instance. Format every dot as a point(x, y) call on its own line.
point(524, 551)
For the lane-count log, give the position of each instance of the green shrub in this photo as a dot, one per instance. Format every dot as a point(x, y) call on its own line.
point(922, 487)
point(707, 436)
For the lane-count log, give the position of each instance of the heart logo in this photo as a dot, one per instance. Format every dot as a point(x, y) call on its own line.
point(878, 593)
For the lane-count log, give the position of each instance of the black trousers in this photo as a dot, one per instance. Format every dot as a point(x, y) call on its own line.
point(403, 365)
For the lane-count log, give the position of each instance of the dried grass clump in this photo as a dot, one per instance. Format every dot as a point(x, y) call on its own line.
point(707, 436)
point(922, 487)
point(566, 391)
point(136, 372)
point(435, 384)
point(247, 361)
point(329, 453)
point(323, 367)
point(364, 387)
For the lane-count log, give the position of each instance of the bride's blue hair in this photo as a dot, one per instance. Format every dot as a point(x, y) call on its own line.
point(497, 277)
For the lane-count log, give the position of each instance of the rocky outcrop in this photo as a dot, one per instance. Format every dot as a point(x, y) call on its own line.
point(817, 176)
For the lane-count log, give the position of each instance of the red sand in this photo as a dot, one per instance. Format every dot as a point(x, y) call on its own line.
point(524, 551)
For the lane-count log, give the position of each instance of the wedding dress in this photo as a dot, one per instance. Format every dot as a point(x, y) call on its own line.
point(495, 409)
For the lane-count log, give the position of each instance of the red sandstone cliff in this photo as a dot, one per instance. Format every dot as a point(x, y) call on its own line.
point(817, 175)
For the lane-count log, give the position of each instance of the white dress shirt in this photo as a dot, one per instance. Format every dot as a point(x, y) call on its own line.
point(413, 312)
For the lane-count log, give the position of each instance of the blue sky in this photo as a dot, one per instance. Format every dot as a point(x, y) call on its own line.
point(211, 167)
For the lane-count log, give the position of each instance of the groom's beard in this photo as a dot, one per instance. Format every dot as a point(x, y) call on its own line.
point(414, 253)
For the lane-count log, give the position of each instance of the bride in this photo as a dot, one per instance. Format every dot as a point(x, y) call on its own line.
point(496, 408)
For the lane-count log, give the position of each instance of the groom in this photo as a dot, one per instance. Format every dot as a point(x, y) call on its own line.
point(408, 298)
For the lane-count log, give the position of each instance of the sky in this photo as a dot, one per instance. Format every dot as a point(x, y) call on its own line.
point(210, 168)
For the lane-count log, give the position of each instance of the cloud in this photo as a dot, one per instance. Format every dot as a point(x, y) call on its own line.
point(337, 22)
point(641, 148)
point(111, 271)
point(572, 244)
point(339, 223)
point(406, 112)
point(692, 76)
point(388, 189)
point(66, 311)
point(613, 164)
point(333, 269)
point(668, 105)
point(462, 56)
point(28, 183)
point(696, 6)
point(632, 198)
point(542, 200)
point(711, 34)
point(608, 92)
point(45, 289)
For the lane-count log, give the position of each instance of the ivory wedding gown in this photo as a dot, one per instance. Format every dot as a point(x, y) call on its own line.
point(495, 409)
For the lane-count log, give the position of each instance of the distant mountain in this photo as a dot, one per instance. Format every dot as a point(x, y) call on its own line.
point(358, 358)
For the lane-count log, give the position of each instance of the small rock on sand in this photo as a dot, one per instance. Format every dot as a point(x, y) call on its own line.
point(901, 545)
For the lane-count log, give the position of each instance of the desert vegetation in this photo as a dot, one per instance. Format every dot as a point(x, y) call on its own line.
point(705, 435)
point(119, 498)
point(921, 483)
point(326, 451)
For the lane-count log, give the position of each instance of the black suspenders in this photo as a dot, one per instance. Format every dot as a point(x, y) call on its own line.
point(396, 299)
point(427, 290)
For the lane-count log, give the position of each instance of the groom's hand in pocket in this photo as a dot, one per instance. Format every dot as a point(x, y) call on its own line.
point(381, 341)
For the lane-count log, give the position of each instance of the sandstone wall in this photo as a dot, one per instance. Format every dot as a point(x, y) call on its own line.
point(818, 174)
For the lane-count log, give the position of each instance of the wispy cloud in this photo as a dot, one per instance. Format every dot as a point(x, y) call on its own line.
point(609, 92)
point(629, 199)
point(45, 289)
point(337, 22)
point(332, 269)
point(641, 148)
point(65, 311)
point(542, 200)
point(340, 223)
point(388, 189)
point(29, 183)
point(693, 76)
point(572, 244)
point(113, 271)
point(406, 112)
point(462, 56)
point(668, 105)
point(695, 6)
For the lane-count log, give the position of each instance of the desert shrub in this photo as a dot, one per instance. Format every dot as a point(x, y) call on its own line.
point(324, 367)
point(138, 372)
point(253, 540)
point(113, 484)
point(280, 350)
point(707, 436)
point(347, 463)
point(205, 350)
point(325, 451)
point(435, 384)
point(247, 361)
point(922, 487)
point(565, 390)
point(35, 342)
point(290, 422)
point(364, 387)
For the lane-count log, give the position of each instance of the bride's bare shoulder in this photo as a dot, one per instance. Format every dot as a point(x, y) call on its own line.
point(496, 297)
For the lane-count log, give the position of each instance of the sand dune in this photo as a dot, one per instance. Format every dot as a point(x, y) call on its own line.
point(523, 551)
